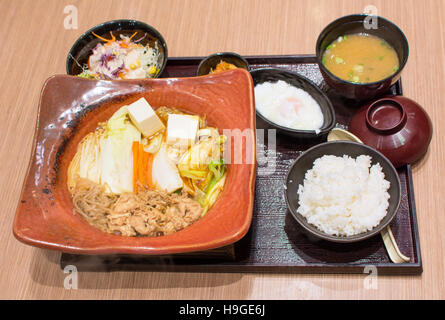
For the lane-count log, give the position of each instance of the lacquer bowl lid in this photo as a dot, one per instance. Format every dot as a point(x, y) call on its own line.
point(396, 126)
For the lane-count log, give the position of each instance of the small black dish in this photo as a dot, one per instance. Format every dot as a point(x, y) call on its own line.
point(273, 75)
point(305, 162)
point(353, 24)
point(81, 50)
point(211, 61)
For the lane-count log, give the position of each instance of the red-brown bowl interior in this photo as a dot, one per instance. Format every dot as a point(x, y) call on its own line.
point(71, 107)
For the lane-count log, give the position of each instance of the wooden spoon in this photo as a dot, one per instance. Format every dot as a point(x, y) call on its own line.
point(388, 237)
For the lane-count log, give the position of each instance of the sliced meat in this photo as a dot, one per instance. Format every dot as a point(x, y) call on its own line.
point(127, 202)
point(138, 223)
point(148, 213)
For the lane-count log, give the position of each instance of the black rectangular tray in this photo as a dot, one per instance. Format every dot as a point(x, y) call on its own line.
point(275, 243)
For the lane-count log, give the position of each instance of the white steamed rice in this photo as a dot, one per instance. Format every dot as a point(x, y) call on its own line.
point(343, 196)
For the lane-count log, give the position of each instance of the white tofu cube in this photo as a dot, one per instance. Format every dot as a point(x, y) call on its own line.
point(182, 130)
point(144, 118)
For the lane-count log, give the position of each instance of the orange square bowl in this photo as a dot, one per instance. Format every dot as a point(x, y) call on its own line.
point(71, 107)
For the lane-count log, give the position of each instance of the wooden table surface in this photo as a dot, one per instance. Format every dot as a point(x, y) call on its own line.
point(34, 47)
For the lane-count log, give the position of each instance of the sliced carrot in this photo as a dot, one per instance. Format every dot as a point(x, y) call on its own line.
point(142, 165)
point(141, 173)
point(144, 171)
point(132, 36)
point(113, 38)
point(135, 150)
point(103, 39)
point(149, 171)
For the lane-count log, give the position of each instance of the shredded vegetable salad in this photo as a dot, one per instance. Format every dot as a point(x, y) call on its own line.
point(122, 59)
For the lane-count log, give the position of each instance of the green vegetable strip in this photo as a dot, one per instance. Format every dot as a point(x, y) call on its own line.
point(218, 169)
point(210, 197)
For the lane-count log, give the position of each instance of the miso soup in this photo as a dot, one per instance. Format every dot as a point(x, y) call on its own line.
point(360, 58)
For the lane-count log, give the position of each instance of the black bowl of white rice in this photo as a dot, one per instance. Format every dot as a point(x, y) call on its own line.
point(342, 191)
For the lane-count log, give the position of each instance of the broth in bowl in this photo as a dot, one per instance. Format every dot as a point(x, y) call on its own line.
point(361, 58)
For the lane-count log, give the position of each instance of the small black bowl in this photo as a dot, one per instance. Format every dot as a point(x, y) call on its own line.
point(353, 24)
point(305, 162)
point(296, 80)
point(211, 61)
point(82, 48)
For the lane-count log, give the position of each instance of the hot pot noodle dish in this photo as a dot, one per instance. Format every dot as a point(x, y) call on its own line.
point(147, 172)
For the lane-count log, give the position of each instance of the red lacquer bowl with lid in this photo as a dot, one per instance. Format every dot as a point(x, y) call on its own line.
point(396, 126)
